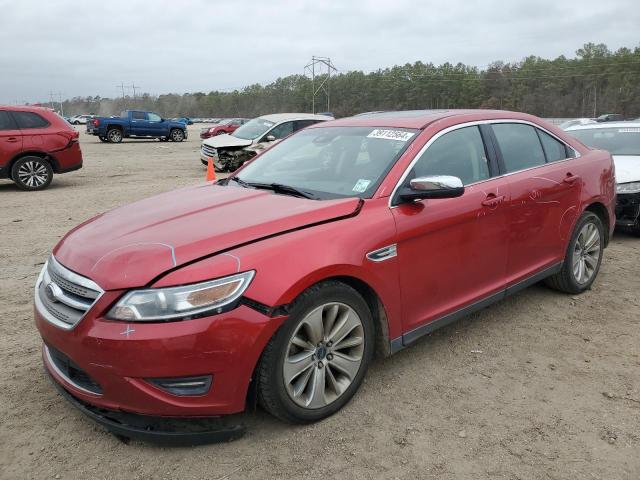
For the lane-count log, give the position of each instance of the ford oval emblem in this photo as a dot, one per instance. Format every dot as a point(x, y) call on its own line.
point(50, 292)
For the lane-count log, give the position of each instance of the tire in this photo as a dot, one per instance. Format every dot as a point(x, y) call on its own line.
point(292, 397)
point(580, 256)
point(103, 139)
point(114, 135)
point(176, 135)
point(32, 173)
point(76, 123)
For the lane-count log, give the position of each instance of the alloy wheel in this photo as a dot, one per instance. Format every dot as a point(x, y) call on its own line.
point(324, 355)
point(33, 174)
point(586, 253)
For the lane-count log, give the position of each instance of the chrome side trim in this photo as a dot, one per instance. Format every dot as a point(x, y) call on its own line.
point(65, 378)
point(471, 124)
point(384, 253)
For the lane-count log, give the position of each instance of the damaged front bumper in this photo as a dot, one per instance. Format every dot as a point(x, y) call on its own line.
point(159, 430)
point(627, 209)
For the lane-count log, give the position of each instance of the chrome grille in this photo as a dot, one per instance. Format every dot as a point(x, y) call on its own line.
point(63, 297)
point(208, 151)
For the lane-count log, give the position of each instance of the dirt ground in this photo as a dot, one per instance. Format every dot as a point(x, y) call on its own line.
point(540, 386)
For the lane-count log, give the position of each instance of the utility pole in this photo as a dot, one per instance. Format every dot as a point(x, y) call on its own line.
point(321, 67)
point(51, 100)
point(595, 99)
point(133, 87)
point(121, 86)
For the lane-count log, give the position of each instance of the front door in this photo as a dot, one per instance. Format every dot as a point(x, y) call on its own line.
point(452, 252)
point(10, 140)
point(139, 123)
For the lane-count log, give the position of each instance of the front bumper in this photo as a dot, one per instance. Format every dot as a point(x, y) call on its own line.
point(160, 430)
point(119, 357)
point(627, 209)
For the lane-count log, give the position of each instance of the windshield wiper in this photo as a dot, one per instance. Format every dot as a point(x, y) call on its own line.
point(239, 181)
point(276, 187)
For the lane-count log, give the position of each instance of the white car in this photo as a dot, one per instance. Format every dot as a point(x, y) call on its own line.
point(229, 151)
point(622, 140)
point(80, 119)
point(575, 122)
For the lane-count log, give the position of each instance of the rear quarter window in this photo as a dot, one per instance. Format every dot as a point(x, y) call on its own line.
point(553, 149)
point(26, 120)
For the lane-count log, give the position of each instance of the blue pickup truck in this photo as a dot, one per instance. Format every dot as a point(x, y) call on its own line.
point(136, 124)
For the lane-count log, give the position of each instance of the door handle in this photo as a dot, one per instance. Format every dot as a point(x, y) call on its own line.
point(12, 139)
point(493, 201)
point(571, 179)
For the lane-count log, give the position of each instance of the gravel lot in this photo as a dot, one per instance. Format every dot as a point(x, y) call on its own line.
point(541, 385)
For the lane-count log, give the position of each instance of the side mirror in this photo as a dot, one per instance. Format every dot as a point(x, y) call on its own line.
point(433, 186)
point(270, 138)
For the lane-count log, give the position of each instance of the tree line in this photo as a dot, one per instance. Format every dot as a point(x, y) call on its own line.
point(593, 82)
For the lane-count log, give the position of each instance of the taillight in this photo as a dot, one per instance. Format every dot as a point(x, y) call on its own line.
point(95, 122)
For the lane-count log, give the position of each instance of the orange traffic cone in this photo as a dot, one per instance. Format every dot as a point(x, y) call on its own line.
point(211, 172)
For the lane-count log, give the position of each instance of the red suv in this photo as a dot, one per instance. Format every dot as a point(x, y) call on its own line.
point(228, 125)
point(35, 143)
point(279, 283)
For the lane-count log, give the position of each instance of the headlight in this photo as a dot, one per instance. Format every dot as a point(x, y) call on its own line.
point(631, 187)
point(173, 303)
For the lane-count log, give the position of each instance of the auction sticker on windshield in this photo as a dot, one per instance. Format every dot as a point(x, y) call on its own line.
point(361, 185)
point(391, 134)
point(629, 130)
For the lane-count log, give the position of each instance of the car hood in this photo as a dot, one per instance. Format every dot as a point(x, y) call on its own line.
point(226, 140)
point(132, 245)
point(627, 168)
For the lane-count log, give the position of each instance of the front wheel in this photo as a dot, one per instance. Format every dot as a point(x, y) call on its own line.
point(583, 256)
point(32, 173)
point(176, 135)
point(317, 360)
point(103, 139)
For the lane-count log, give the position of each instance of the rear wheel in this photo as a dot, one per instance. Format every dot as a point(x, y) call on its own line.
point(114, 135)
point(176, 135)
point(583, 256)
point(32, 173)
point(317, 360)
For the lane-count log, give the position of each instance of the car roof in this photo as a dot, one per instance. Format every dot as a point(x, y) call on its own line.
point(25, 108)
point(282, 117)
point(590, 126)
point(419, 119)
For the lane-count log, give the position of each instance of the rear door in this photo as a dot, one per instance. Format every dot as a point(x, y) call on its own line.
point(452, 252)
point(10, 141)
point(139, 124)
point(545, 196)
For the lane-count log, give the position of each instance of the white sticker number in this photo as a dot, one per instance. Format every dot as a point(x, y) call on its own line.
point(391, 134)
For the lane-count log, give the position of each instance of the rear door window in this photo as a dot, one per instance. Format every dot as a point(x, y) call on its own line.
point(553, 149)
point(300, 124)
point(6, 122)
point(519, 145)
point(459, 153)
point(26, 120)
point(282, 130)
point(138, 116)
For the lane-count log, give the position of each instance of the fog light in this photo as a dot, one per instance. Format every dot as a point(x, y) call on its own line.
point(183, 386)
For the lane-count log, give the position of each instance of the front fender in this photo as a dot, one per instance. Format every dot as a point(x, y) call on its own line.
point(288, 264)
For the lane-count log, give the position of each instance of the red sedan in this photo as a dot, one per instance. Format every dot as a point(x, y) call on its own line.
point(228, 125)
point(348, 238)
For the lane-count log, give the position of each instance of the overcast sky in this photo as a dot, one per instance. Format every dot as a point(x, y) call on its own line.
point(84, 48)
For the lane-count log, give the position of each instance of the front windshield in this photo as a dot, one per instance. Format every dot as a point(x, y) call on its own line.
point(253, 129)
point(616, 140)
point(331, 162)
